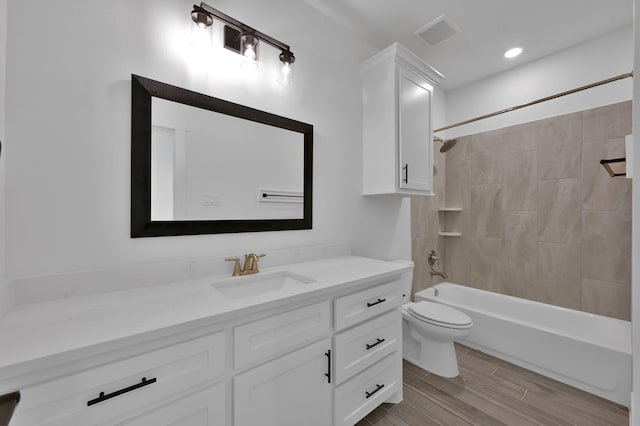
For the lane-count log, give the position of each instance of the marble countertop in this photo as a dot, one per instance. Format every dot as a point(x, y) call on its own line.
point(37, 335)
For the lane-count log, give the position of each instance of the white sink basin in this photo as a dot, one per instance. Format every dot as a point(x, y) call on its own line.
point(259, 284)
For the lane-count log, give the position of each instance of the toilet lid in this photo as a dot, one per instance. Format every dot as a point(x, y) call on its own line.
point(436, 312)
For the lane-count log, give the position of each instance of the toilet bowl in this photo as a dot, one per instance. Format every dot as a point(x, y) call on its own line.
point(428, 332)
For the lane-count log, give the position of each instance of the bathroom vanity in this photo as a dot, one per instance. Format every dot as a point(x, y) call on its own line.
point(313, 343)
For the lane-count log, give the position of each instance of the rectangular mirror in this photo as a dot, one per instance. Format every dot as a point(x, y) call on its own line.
point(202, 165)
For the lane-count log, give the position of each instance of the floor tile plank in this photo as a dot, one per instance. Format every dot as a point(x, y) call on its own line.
point(493, 392)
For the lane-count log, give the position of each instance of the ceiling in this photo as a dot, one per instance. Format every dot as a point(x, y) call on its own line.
point(489, 28)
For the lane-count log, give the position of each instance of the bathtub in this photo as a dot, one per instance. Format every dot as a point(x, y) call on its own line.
point(587, 351)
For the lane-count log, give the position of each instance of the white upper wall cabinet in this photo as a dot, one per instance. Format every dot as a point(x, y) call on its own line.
point(397, 123)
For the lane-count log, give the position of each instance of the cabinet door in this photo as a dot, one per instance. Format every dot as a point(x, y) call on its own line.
point(414, 132)
point(290, 390)
point(204, 408)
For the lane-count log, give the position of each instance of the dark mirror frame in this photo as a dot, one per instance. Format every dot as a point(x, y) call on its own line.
point(142, 91)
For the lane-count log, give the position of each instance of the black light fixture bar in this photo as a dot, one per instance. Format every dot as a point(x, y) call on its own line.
point(205, 8)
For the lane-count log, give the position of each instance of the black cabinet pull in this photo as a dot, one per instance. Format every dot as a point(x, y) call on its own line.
point(375, 303)
point(328, 373)
point(378, 341)
point(368, 395)
point(104, 397)
point(406, 173)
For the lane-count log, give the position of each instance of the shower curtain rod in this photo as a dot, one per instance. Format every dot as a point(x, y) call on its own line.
point(537, 101)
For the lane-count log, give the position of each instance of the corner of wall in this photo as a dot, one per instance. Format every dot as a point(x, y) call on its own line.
point(635, 246)
point(3, 73)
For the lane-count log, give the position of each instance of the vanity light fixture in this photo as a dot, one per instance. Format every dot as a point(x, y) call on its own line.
point(287, 59)
point(249, 50)
point(203, 15)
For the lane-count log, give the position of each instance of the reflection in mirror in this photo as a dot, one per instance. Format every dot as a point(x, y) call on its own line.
point(211, 166)
point(203, 165)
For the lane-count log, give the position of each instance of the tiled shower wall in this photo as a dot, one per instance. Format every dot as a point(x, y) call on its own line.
point(541, 219)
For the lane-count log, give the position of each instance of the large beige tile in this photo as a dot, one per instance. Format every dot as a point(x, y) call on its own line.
point(421, 272)
point(559, 211)
point(607, 122)
point(457, 185)
point(606, 298)
point(486, 254)
point(519, 181)
point(439, 175)
point(606, 245)
point(560, 147)
point(455, 221)
point(457, 259)
point(486, 211)
point(599, 190)
point(424, 217)
point(519, 252)
point(485, 152)
point(523, 137)
point(559, 279)
point(459, 151)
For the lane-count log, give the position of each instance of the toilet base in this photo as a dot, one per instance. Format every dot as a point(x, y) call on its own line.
point(435, 357)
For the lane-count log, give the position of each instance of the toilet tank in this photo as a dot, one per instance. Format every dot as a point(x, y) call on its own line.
point(407, 281)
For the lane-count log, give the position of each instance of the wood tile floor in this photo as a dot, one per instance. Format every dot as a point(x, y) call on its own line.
point(490, 391)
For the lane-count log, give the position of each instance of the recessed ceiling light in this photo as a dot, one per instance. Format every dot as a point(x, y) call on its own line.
point(512, 53)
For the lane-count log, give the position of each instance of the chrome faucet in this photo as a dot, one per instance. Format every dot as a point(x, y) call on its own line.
point(250, 264)
point(433, 259)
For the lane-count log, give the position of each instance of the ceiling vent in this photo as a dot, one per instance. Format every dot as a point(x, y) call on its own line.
point(438, 30)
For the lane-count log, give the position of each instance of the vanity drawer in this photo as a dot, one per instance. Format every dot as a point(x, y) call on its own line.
point(363, 345)
point(365, 304)
point(265, 338)
point(166, 372)
point(361, 394)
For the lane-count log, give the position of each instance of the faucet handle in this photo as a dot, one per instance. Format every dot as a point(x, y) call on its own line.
point(236, 267)
point(433, 258)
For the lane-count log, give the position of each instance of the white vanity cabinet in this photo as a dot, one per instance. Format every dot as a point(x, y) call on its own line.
point(368, 351)
point(397, 123)
point(289, 391)
point(321, 358)
point(293, 389)
point(179, 379)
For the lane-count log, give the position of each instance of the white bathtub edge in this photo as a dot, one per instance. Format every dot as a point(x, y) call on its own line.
point(548, 373)
point(579, 378)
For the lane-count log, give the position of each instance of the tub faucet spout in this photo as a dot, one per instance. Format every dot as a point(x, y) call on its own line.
point(438, 273)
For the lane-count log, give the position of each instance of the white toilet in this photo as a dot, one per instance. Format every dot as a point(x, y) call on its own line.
point(428, 332)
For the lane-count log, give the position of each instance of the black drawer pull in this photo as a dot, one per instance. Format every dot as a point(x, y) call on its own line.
point(368, 395)
point(328, 373)
point(375, 303)
point(378, 341)
point(104, 397)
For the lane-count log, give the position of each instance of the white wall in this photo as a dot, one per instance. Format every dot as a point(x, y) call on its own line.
point(68, 127)
point(635, 245)
point(3, 65)
point(587, 63)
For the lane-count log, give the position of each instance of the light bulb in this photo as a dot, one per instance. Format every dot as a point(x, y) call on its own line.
point(286, 69)
point(249, 52)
